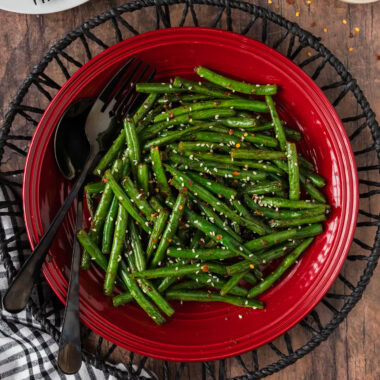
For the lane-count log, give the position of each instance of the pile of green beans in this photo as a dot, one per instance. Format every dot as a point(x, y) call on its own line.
point(202, 189)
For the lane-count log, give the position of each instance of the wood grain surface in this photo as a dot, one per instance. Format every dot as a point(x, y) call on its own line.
point(352, 33)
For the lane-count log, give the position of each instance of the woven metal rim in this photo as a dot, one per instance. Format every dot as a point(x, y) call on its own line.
point(296, 36)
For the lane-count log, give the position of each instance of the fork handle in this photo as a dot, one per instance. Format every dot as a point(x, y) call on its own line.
point(69, 353)
point(18, 293)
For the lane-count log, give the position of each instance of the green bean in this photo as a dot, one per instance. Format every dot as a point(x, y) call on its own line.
point(255, 138)
point(292, 134)
point(278, 128)
point(218, 158)
point(201, 146)
point(121, 299)
point(145, 107)
point(270, 240)
point(91, 247)
point(110, 155)
point(202, 88)
point(287, 262)
point(234, 85)
point(158, 228)
point(190, 284)
point(213, 217)
point(281, 214)
point(201, 254)
point(138, 295)
point(219, 138)
point(117, 245)
point(137, 198)
point(90, 205)
point(159, 171)
point(304, 163)
point(218, 235)
point(309, 231)
point(126, 202)
point(101, 212)
point(312, 190)
point(214, 202)
point(149, 289)
point(155, 203)
point(264, 256)
point(143, 177)
point(217, 283)
point(134, 151)
point(158, 88)
point(178, 270)
point(109, 226)
point(213, 186)
point(171, 136)
point(264, 187)
point(138, 252)
point(239, 207)
point(256, 154)
point(231, 283)
point(170, 229)
point(297, 221)
point(243, 104)
point(193, 117)
point(194, 243)
point(217, 169)
point(166, 283)
point(315, 178)
point(203, 296)
point(94, 188)
point(130, 283)
point(294, 177)
point(285, 203)
point(241, 122)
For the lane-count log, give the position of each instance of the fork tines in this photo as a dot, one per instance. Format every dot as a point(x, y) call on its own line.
point(121, 93)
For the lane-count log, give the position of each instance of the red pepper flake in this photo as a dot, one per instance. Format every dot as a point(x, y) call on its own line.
point(171, 115)
point(252, 134)
point(227, 93)
point(190, 183)
point(156, 147)
point(251, 266)
point(155, 240)
point(313, 24)
point(290, 2)
point(219, 237)
point(235, 173)
point(205, 268)
point(230, 132)
point(180, 207)
point(105, 180)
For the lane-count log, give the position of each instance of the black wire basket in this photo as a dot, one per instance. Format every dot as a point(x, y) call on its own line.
point(118, 24)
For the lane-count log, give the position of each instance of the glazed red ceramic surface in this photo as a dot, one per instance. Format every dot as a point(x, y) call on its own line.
point(201, 331)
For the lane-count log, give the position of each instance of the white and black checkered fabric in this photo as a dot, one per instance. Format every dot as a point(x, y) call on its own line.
point(27, 350)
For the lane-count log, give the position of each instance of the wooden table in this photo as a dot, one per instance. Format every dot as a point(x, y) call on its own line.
point(352, 351)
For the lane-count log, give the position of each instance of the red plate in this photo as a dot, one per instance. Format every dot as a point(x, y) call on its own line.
point(201, 331)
